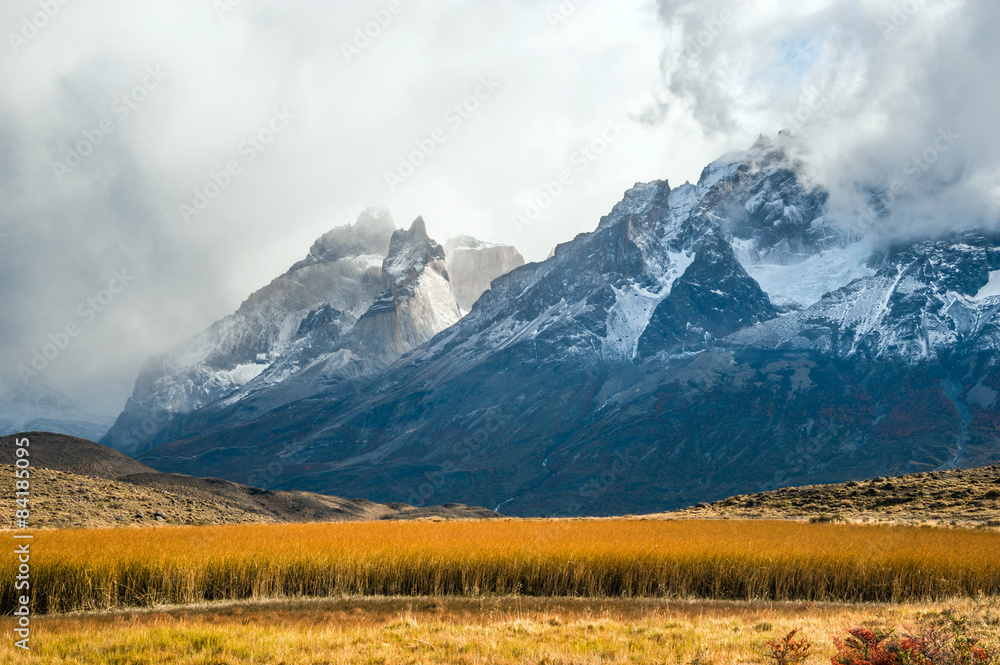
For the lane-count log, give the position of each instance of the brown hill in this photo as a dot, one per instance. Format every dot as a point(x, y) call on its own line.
point(72, 455)
point(938, 497)
point(77, 483)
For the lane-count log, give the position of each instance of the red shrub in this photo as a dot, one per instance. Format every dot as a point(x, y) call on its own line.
point(942, 642)
point(866, 647)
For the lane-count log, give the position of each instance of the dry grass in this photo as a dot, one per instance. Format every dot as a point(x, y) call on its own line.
point(71, 501)
point(102, 569)
point(499, 631)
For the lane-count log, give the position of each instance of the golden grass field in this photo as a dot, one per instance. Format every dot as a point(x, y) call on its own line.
point(722, 560)
point(486, 631)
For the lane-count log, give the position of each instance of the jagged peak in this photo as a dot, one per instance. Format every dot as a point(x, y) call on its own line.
point(418, 227)
point(412, 250)
point(763, 142)
point(648, 191)
point(640, 199)
point(415, 235)
point(370, 235)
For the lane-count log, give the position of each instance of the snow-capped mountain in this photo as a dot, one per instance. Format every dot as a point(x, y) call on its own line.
point(474, 264)
point(365, 295)
point(707, 340)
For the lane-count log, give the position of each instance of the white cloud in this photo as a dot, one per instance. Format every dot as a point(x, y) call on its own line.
point(880, 102)
point(224, 78)
point(882, 93)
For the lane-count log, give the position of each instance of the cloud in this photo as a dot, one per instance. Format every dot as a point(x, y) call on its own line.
point(97, 155)
point(896, 96)
point(710, 76)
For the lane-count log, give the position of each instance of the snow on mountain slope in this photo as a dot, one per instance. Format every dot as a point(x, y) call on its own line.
point(634, 306)
point(992, 287)
point(778, 227)
point(800, 285)
point(573, 298)
point(924, 300)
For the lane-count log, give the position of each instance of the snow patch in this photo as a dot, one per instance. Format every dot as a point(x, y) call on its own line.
point(683, 201)
point(367, 261)
point(243, 374)
point(633, 309)
point(992, 287)
point(804, 284)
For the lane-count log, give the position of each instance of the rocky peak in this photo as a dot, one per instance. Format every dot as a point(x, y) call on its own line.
point(771, 213)
point(369, 236)
point(712, 298)
point(644, 204)
point(474, 264)
point(411, 251)
point(287, 323)
point(418, 303)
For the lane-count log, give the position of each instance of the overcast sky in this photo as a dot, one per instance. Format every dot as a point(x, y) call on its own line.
point(114, 112)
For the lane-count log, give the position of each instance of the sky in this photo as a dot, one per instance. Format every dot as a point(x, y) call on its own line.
point(160, 161)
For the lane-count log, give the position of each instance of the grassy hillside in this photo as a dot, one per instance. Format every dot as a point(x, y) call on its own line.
point(967, 497)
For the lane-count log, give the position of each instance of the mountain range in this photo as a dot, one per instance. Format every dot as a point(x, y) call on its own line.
point(365, 295)
point(714, 339)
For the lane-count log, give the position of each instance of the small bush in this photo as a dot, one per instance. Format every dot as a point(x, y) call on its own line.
point(826, 519)
point(790, 651)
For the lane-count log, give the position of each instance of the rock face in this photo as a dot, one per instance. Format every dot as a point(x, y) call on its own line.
point(473, 265)
point(417, 304)
point(703, 341)
point(365, 295)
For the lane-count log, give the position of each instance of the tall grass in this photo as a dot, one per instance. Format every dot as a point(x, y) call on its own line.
point(104, 569)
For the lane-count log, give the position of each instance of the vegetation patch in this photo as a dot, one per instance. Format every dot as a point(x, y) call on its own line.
point(102, 569)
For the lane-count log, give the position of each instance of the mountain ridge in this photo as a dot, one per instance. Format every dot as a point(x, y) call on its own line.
point(365, 295)
point(643, 367)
